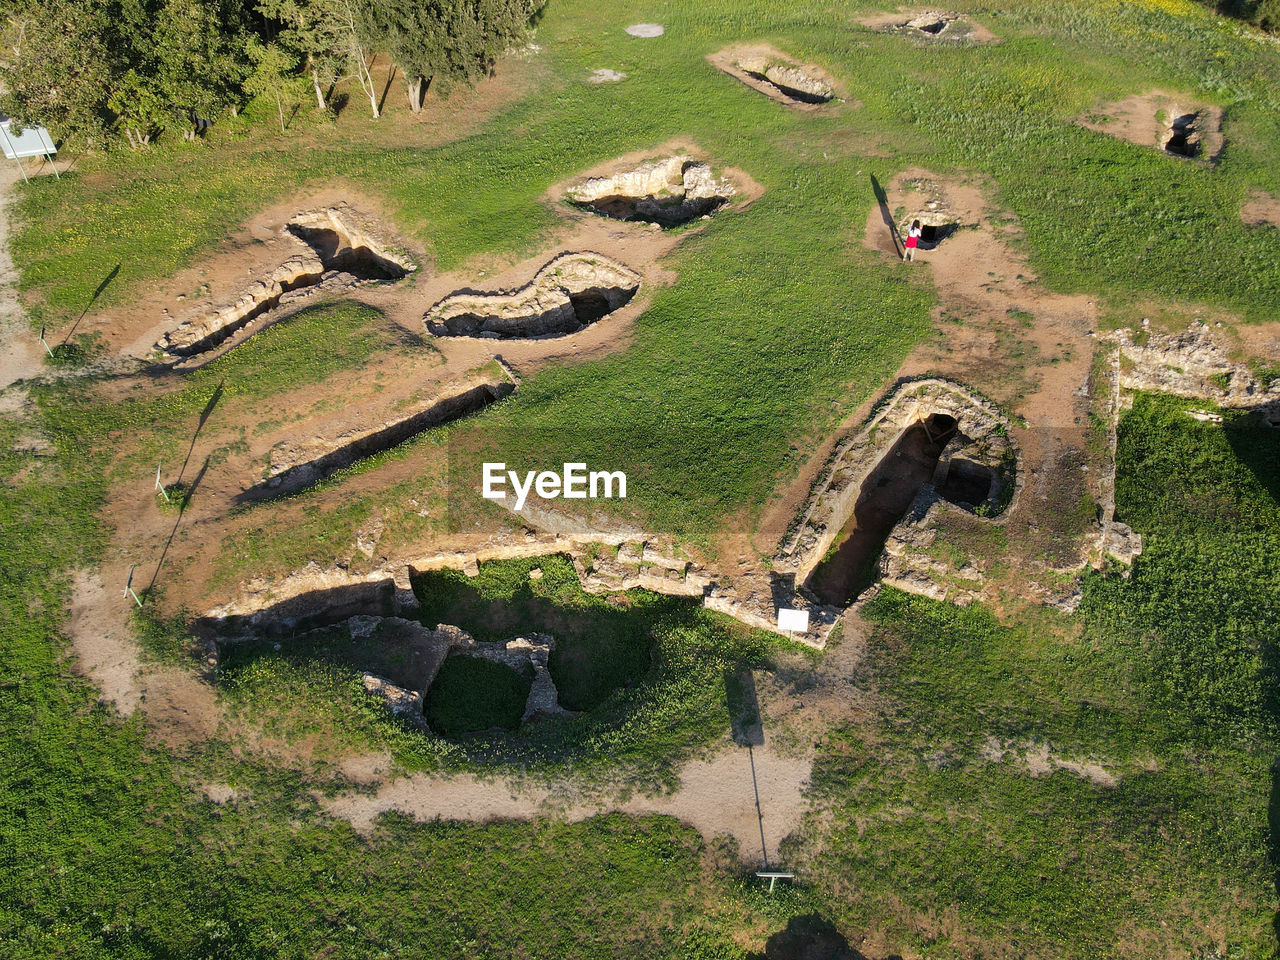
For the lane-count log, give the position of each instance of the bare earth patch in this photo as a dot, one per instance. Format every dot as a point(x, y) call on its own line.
point(770, 71)
point(1039, 760)
point(177, 704)
point(1261, 209)
point(1177, 124)
point(716, 796)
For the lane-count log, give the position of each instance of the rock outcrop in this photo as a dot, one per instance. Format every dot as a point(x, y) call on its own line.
point(667, 192)
point(570, 292)
point(1193, 364)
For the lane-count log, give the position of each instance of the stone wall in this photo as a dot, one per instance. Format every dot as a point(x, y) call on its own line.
point(1192, 364)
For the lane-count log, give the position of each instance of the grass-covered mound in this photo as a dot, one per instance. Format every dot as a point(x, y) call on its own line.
point(470, 695)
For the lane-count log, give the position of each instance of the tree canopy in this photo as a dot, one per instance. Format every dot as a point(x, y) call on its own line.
point(100, 71)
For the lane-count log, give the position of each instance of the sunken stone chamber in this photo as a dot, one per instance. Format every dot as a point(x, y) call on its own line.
point(667, 192)
point(932, 441)
point(338, 249)
point(569, 293)
point(793, 82)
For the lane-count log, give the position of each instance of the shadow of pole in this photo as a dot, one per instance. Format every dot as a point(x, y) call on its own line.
point(106, 282)
point(755, 785)
point(182, 509)
point(886, 215)
point(391, 75)
point(204, 418)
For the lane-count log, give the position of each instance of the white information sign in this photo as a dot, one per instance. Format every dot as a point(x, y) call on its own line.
point(31, 142)
point(793, 621)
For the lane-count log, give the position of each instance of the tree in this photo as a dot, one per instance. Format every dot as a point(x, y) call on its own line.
point(444, 41)
point(272, 65)
point(140, 109)
point(199, 53)
point(57, 67)
point(352, 35)
point(316, 31)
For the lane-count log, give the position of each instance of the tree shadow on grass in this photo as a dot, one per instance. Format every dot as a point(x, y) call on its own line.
point(811, 937)
point(1258, 447)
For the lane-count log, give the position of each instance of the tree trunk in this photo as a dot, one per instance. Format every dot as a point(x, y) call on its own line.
point(367, 82)
point(415, 93)
point(315, 82)
point(356, 53)
point(280, 109)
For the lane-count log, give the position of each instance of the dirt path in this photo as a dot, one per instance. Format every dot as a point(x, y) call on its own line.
point(800, 700)
point(19, 353)
point(716, 797)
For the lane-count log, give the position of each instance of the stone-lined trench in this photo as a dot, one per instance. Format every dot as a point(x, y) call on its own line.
point(338, 249)
point(288, 476)
point(669, 192)
point(571, 292)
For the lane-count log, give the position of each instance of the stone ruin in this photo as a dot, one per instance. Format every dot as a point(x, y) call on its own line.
point(778, 76)
point(938, 220)
point(668, 192)
point(606, 562)
point(930, 23)
point(433, 647)
point(930, 26)
point(570, 292)
point(965, 460)
point(299, 463)
point(1184, 135)
point(1192, 364)
point(340, 252)
point(1181, 127)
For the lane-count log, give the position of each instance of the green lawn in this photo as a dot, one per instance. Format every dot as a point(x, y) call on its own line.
point(779, 324)
point(1171, 689)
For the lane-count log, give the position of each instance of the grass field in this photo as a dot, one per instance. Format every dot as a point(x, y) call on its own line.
point(1050, 787)
point(1169, 689)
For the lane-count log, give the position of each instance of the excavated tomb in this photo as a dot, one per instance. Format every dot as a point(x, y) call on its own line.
point(932, 440)
point(931, 24)
point(1183, 138)
point(791, 81)
point(572, 291)
point(668, 192)
point(338, 250)
point(297, 467)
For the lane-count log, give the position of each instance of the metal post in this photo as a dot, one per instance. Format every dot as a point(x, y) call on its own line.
point(128, 589)
point(160, 486)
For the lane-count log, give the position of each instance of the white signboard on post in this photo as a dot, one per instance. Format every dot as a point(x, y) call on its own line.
point(31, 142)
point(793, 621)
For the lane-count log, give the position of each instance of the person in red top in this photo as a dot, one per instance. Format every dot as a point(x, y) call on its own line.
point(912, 241)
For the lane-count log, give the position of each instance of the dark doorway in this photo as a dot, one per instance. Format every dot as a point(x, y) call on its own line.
point(885, 496)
